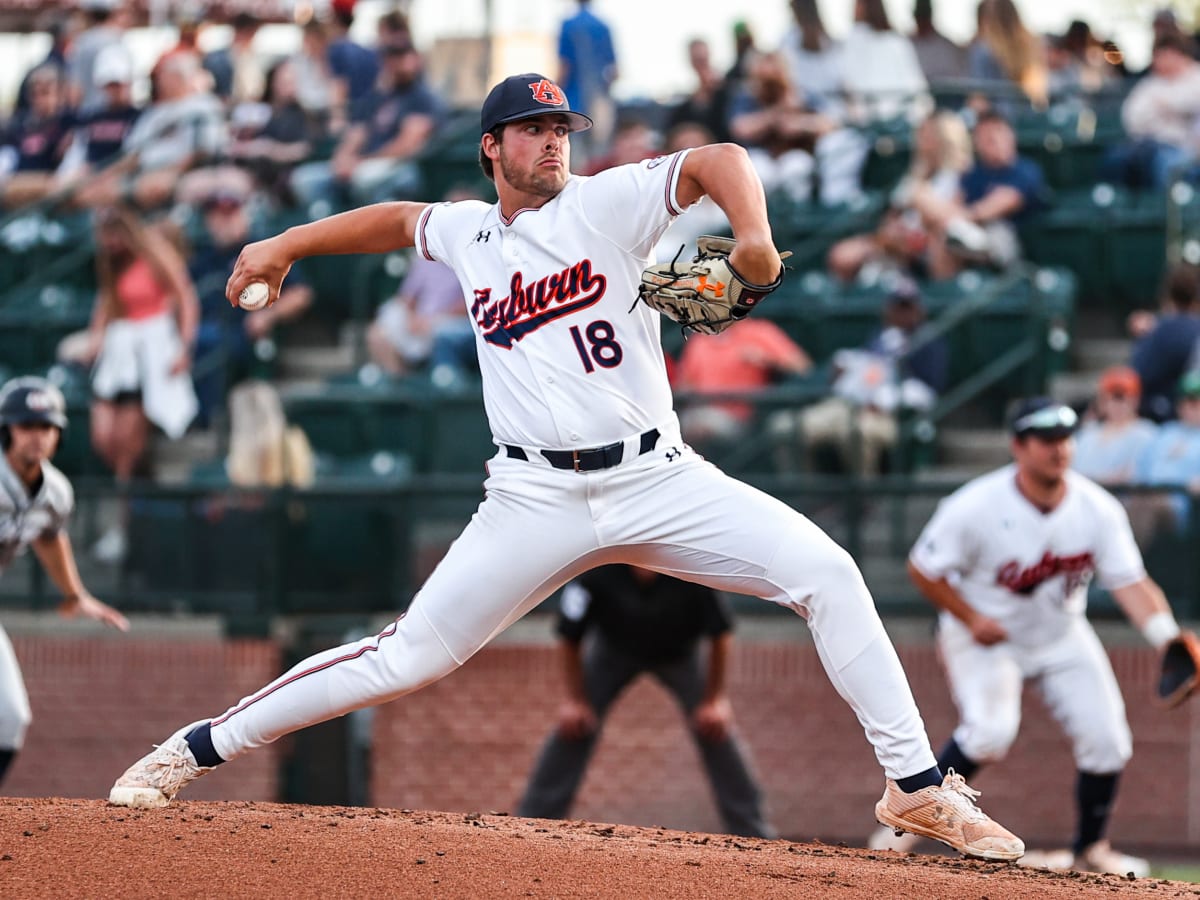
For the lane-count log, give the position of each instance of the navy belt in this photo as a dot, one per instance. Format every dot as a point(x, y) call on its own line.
point(588, 460)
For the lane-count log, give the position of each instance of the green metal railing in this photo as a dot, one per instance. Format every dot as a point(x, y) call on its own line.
point(363, 547)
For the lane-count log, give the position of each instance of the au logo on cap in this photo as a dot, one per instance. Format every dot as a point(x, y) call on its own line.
point(547, 92)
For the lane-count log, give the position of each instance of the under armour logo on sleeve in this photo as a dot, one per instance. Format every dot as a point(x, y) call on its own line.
point(482, 236)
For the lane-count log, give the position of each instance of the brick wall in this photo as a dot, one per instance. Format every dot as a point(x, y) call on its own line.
point(100, 703)
point(468, 742)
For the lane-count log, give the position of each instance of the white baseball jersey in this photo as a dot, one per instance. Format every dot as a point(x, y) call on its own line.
point(555, 304)
point(1027, 569)
point(24, 518)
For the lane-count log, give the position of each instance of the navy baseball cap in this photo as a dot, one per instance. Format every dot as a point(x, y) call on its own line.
point(526, 96)
point(1043, 418)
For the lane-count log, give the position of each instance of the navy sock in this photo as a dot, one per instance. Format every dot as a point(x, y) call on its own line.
point(199, 741)
point(913, 783)
point(1094, 795)
point(952, 757)
point(6, 758)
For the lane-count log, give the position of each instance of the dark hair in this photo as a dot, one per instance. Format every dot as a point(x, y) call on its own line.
point(1181, 285)
point(813, 36)
point(485, 162)
point(873, 14)
point(1173, 41)
point(993, 117)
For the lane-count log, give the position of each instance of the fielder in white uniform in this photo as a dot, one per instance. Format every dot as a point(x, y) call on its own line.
point(1007, 559)
point(36, 501)
point(590, 467)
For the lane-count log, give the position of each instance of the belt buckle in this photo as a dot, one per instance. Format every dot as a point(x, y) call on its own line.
point(575, 460)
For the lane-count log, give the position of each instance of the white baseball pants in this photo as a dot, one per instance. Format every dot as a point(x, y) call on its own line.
point(539, 527)
point(14, 702)
point(1073, 675)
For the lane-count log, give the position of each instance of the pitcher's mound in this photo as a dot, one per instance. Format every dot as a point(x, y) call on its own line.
point(86, 848)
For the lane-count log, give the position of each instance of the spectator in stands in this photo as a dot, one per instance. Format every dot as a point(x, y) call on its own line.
point(1112, 437)
point(1161, 116)
point(1173, 460)
point(587, 69)
point(142, 330)
point(792, 144)
point(226, 336)
point(745, 360)
point(941, 59)
point(105, 27)
point(322, 95)
point(1164, 343)
point(278, 136)
point(881, 75)
point(704, 217)
point(183, 129)
point(393, 27)
point(238, 73)
point(1006, 55)
point(187, 45)
point(1088, 61)
point(352, 64)
point(812, 57)
point(616, 623)
point(633, 140)
point(62, 33)
point(406, 328)
point(36, 140)
point(375, 158)
point(871, 386)
point(978, 226)
point(708, 103)
point(941, 156)
point(100, 134)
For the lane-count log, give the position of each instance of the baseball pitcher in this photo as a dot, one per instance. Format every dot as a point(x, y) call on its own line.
point(590, 468)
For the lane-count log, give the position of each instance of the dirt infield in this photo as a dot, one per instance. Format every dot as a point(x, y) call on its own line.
point(85, 848)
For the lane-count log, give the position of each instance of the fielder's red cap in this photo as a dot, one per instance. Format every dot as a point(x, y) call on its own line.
point(525, 96)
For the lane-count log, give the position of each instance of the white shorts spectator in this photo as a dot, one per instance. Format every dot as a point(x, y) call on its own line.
point(136, 357)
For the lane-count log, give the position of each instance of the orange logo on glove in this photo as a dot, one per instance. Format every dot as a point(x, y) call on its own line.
point(717, 289)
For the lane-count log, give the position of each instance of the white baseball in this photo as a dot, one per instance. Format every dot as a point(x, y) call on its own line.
point(254, 295)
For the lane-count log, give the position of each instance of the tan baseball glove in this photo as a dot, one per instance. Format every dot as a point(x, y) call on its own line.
point(707, 294)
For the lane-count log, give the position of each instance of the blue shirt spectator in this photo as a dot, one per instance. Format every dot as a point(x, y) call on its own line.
point(1162, 355)
point(1174, 457)
point(589, 63)
point(1022, 174)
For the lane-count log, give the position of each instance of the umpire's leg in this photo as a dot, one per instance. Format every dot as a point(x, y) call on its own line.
point(560, 767)
point(738, 796)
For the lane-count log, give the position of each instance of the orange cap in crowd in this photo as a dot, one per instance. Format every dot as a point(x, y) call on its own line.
point(1120, 380)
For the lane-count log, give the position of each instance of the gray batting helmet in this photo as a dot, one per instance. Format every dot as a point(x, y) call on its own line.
point(32, 399)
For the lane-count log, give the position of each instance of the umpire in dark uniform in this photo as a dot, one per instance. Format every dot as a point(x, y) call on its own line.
point(639, 621)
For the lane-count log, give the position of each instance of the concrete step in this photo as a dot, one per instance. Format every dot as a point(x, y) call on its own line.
point(1096, 354)
point(315, 362)
point(1075, 388)
point(174, 460)
point(984, 448)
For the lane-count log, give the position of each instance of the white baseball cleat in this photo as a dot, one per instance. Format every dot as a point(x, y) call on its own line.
point(948, 813)
point(1101, 857)
point(155, 779)
point(885, 838)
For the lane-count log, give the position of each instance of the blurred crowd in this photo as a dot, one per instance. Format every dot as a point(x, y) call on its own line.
point(229, 139)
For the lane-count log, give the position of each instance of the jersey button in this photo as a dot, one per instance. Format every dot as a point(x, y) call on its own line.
point(549, 379)
point(574, 436)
